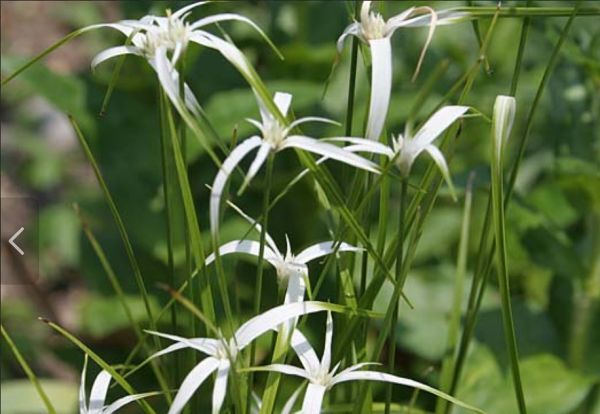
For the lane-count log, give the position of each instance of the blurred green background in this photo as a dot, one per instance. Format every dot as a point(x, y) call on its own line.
point(553, 220)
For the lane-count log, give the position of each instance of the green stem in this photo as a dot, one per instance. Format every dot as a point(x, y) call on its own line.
point(28, 371)
point(260, 264)
point(393, 307)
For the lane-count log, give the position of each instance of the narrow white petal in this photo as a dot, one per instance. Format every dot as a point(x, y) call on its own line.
point(261, 156)
point(282, 101)
point(397, 21)
point(206, 345)
point(272, 318)
point(313, 399)
point(98, 393)
point(306, 119)
point(82, 397)
point(444, 17)
point(284, 369)
point(220, 387)
point(305, 352)
point(258, 228)
point(364, 10)
point(352, 30)
point(296, 286)
point(187, 8)
point(438, 123)
point(192, 382)
point(322, 249)
point(381, 86)
point(250, 247)
point(369, 145)
point(329, 151)
point(125, 29)
point(113, 52)
point(383, 377)
point(358, 366)
point(289, 404)
point(121, 402)
point(439, 159)
point(165, 72)
point(326, 359)
point(227, 167)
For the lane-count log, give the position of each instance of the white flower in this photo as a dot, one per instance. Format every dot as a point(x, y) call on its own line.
point(276, 137)
point(406, 149)
point(377, 32)
point(223, 352)
point(163, 39)
point(505, 109)
point(322, 377)
point(291, 269)
point(98, 395)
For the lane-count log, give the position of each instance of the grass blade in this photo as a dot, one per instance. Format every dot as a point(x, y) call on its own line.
point(28, 371)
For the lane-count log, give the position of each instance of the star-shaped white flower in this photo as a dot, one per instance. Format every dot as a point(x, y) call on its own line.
point(405, 149)
point(222, 353)
point(98, 394)
point(163, 39)
point(374, 30)
point(322, 377)
point(291, 269)
point(276, 137)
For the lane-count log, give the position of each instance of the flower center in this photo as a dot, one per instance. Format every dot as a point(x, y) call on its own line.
point(170, 33)
point(373, 26)
point(322, 377)
point(226, 349)
point(289, 269)
point(274, 133)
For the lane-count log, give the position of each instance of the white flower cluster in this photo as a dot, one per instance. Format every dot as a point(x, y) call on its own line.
point(162, 41)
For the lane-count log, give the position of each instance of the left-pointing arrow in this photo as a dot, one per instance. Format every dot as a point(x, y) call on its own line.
point(12, 241)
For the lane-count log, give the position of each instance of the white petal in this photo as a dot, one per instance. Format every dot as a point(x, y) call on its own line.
point(187, 8)
point(250, 247)
point(282, 101)
point(397, 21)
point(258, 228)
point(125, 29)
point(289, 404)
point(383, 377)
point(437, 124)
point(305, 352)
point(330, 151)
point(227, 167)
point(364, 10)
point(284, 369)
point(445, 17)
point(358, 366)
point(313, 399)
point(220, 387)
point(381, 86)
point(369, 145)
point(98, 393)
point(296, 286)
point(326, 359)
point(272, 318)
point(82, 397)
point(165, 72)
point(352, 30)
point(321, 249)
point(206, 345)
point(121, 402)
point(306, 119)
point(261, 156)
point(439, 159)
point(114, 51)
point(192, 382)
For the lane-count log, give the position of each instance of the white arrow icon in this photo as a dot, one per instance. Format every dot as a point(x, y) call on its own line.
point(12, 241)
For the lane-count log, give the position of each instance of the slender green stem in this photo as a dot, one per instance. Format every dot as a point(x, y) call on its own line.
point(393, 307)
point(260, 264)
point(28, 371)
point(455, 316)
point(485, 261)
point(480, 12)
point(503, 281)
